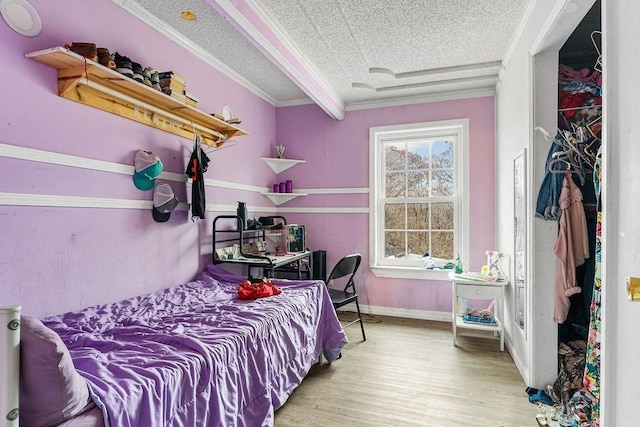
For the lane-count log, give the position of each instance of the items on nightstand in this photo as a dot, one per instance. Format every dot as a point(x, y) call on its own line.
point(479, 316)
point(464, 288)
point(493, 263)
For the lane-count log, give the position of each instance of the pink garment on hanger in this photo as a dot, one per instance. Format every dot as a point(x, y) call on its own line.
point(571, 248)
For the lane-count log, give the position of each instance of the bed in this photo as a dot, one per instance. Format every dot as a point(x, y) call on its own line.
point(192, 354)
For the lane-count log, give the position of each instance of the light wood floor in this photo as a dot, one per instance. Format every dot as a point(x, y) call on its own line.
point(408, 373)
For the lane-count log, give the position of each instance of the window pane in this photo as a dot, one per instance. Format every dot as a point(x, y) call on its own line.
point(394, 156)
point(418, 184)
point(442, 244)
point(394, 244)
point(394, 184)
point(394, 216)
point(417, 216)
point(418, 243)
point(442, 183)
point(418, 156)
point(442, 152)
point(442, 216)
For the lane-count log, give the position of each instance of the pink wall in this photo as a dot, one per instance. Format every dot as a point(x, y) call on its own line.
point(56, 259)
point(337, 156)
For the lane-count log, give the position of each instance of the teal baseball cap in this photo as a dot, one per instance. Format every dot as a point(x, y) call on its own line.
point(147, 168)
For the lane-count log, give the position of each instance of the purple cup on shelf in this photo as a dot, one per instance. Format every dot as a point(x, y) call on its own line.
point(288, 186)
point(276, 188)
point(283, 187)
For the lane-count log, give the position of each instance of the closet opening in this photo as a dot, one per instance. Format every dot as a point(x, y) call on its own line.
point(574, 165)
point(580, 124)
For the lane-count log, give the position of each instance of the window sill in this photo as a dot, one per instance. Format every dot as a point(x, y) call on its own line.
point(410, 273)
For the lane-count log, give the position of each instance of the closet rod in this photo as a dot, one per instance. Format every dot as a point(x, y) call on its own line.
point(584, 107)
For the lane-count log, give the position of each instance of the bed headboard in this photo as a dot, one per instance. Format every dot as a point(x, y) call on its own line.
point(9, 371)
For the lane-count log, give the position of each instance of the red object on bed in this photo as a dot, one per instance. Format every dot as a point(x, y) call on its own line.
point(264, 288)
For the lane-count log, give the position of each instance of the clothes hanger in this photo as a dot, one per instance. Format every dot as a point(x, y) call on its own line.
point(598, 65)
point(570, 166)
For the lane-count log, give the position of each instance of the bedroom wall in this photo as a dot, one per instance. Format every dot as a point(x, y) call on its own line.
point(336, 176)
point(54, 259)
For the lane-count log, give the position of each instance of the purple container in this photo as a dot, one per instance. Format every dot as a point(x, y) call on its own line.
point(288, 186)
point(276, 188)
point(283, 187)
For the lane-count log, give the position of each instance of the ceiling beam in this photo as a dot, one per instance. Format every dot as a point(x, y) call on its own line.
point(248, 18)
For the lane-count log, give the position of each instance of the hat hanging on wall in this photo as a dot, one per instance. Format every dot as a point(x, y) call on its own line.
point(164, 201)
point(21, 17)
point(147, 168)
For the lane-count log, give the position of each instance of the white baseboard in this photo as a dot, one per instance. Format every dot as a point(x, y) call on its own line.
point(407, 313)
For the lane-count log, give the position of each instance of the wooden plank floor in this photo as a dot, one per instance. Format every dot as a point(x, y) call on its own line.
point(408, 373)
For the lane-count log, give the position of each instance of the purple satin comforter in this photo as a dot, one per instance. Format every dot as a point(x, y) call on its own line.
point(196, 355)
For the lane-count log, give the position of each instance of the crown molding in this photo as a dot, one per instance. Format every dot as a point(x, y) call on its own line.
point(146, 17)
point(422, 99)
point(295, 102)
point(312, 83)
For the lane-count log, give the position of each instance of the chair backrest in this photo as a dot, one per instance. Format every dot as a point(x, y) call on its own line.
point(346, 267)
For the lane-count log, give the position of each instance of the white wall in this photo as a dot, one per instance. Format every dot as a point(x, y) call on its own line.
point(527, 98)
point(514, 132)
point(621, 190)
point(621, 230)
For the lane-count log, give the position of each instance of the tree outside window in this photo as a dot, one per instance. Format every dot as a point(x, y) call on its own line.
point(416, 195)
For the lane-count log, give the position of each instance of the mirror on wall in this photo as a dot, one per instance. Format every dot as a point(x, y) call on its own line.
point(520, 237)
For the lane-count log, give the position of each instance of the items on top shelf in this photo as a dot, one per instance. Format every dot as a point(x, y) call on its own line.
point(83, 80)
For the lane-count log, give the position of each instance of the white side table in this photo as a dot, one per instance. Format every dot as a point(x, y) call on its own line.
point(483, 291)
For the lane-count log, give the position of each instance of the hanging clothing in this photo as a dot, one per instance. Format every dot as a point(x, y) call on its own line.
point(547, 206)
point(571, 248)
point(585, 403)
point(197, 166)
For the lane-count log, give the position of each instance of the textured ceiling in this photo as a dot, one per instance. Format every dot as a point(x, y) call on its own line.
point(362, 51)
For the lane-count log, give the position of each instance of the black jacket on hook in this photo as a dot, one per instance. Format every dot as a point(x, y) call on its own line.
point(197, 166)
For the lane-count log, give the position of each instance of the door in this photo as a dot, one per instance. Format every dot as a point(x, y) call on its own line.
point(620, 361)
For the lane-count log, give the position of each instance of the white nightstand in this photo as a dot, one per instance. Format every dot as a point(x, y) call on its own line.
point(483, 291)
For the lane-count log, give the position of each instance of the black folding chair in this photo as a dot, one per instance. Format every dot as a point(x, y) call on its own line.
point(346, 268)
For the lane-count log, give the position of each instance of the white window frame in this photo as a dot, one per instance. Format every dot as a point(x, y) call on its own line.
point(377, 137)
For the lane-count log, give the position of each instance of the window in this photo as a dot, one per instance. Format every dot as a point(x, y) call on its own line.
point(418, 200)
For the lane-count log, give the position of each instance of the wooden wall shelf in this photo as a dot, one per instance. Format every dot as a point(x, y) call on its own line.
point(85, 81)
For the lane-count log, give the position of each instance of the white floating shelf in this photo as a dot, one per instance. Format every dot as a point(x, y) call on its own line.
point(279, 165)
point(280, 198)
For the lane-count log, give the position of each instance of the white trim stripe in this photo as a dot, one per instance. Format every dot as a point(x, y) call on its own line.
point(42, 156)
point(335, 190)
point(24, 199)
point(333, 210)
point(35, 155)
